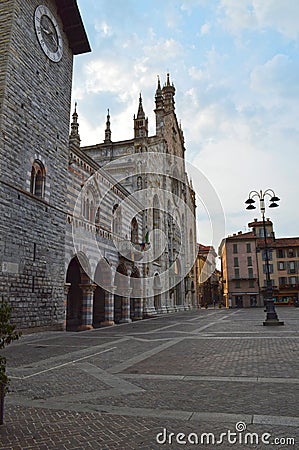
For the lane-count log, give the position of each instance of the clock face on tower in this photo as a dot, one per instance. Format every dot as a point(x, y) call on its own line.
point(48, 33)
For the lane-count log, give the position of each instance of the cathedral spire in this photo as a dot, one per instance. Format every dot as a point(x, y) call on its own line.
point(75, 136)
point(140, 114)
point(108, 130)
point(159, 110)
point(159, 96)
point(140, 122)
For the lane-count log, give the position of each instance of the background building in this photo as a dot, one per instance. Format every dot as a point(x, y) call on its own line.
point(243, 267)
point(208, 277)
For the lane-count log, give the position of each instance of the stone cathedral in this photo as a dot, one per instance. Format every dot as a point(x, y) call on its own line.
point(89, 236)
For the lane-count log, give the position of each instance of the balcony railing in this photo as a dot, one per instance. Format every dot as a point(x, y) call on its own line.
point(289, 286)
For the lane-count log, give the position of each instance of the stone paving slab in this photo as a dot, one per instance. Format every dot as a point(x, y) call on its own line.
point(225, 397)
point(41, 429)
point(238, 357)
point(117, 388)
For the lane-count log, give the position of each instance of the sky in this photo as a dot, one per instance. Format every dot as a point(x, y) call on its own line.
point(235, 67)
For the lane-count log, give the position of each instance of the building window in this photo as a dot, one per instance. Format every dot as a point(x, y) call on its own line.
point(293, 281)
point(270, 268)
point(38, 179)
point(270, 252)
point(117, 219)
point(236, 261)
point(235, 248)
point(175, 185)
point(251, 283)
point(88, 207)
point(237, 273)
point(280, 253)
point(249, 261)
point(250, 272)
point(134, 231)
point(238, 284)
point(291, 267)
point(98, 217)
point(248, 248)
point(291, 253)
point(282, 281)
point(281, 265)
point(156, 226)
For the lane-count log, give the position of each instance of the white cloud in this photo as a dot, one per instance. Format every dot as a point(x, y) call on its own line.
point(196, 73)
point(277, 78)
point(205, 29)
point(103, 28)
point(280, 15)
point(237, 15)
point(164, 49)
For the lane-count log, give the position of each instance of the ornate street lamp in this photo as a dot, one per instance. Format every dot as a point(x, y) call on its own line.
point(271, 317)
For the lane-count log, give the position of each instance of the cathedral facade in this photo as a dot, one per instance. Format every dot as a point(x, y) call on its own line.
point(89, 236)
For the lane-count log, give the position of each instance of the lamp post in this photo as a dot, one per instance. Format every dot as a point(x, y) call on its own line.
point(271, 317)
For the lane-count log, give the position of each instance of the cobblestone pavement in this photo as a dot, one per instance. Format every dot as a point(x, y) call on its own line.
point(196, 380)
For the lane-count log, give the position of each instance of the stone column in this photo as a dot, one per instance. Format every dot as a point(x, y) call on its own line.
point(125, 307)
point(138, 306)
point(148, 307)
point(109, 306)
point(87, 306)
point(66, 291)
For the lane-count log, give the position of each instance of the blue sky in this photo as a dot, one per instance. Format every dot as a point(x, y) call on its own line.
point(235, 67)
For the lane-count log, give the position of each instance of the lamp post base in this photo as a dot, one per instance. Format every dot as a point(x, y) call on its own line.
point(272, 322)
point(271, 317)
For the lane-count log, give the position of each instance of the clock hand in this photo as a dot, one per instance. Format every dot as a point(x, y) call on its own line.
point(45, 30)
point(53, 38)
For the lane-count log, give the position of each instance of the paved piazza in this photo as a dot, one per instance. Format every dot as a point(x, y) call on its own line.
point(203, 379)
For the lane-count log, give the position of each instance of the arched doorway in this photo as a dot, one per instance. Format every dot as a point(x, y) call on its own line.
point(134, 301)
point(74, 297)
point(157, 294)
point(178, 288)
point(121, 284)
point(102, 279)
point(98, 312)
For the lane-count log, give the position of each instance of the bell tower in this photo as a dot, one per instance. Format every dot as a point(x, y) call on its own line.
point(37, 45)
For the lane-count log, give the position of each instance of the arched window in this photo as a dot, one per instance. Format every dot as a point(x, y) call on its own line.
point(91, 211)
point(98, 217)
point(191, 247)
point(134, 231)
point(156, 212)
point(175, 185)
point(38, 179)
point(117, 219)
point(156, 226)
point(88, 208)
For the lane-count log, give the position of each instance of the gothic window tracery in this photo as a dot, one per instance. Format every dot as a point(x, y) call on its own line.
point(134, 231)
point(88, 208)
point(117, 219)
